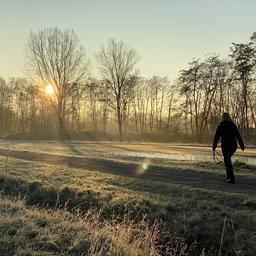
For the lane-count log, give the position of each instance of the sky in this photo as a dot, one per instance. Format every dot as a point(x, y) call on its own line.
point(167, 34)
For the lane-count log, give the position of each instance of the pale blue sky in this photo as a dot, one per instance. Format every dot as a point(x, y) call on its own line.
point(166, 34)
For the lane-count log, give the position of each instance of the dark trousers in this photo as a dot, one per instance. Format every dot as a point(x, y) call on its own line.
point(227, 154)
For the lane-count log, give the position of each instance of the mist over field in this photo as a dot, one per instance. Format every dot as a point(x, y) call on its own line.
point(128, 128)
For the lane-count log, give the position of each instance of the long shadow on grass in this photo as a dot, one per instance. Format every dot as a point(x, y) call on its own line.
point(72, 200)
point(196, 179)
point(73, 148)
point(197, 226)
point(202, 225)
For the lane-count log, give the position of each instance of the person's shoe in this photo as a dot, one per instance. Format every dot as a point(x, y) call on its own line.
point(227, 178)
point(230, 181)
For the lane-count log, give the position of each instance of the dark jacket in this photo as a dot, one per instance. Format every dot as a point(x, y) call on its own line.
point(229, 133)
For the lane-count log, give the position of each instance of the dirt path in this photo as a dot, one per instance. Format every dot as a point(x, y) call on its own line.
point(196, 179)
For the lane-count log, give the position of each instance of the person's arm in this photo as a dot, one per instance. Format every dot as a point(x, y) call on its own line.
point(216, 138)
point(239, 138)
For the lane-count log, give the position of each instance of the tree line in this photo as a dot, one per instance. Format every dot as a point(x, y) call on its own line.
point(119, 101)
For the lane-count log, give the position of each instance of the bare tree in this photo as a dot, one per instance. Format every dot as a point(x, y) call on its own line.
point(244, 62)
point(57, 58)
point(5, 107)
point(199, 84)
point(119, 98)
point(117, 61)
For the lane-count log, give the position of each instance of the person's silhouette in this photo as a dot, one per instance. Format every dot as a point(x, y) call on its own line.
point(229, 133)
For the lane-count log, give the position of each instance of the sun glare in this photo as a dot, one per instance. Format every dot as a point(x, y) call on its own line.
point(49, 89)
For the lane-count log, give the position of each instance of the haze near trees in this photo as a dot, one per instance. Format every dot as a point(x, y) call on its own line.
point(118, 102)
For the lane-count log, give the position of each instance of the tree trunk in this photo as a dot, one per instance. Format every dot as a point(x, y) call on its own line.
point(120, 128)
point(61, 121)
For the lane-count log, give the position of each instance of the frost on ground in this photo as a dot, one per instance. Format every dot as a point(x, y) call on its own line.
point(152, 151)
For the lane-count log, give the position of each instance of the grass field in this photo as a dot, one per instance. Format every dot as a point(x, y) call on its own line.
point(49, 209)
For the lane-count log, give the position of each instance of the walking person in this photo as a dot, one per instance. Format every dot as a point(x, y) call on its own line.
point(229, 134)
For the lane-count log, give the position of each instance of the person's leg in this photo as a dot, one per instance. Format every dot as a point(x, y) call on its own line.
point(228, 165)
point(232, 176)
point(227, 154)
point(231, 173)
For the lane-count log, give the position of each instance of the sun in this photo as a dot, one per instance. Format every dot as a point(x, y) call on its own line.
point(49, 89)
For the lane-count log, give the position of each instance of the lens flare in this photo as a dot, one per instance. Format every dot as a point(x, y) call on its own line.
point(143, 167)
